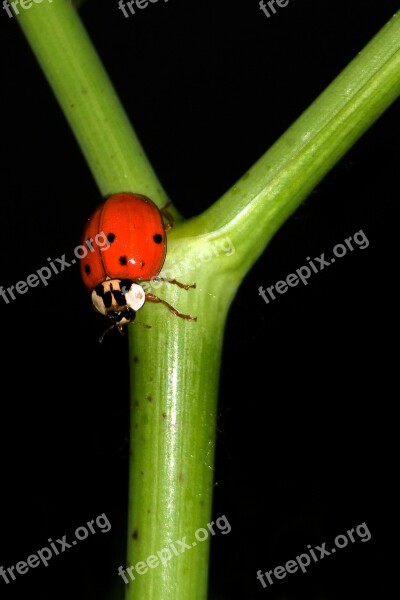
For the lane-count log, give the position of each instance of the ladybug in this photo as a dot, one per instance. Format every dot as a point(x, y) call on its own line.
point(137, 243)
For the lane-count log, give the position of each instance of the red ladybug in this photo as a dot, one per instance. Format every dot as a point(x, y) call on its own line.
point(136, 247)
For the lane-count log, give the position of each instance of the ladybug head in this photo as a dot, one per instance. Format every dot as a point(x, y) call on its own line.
point(118, 300)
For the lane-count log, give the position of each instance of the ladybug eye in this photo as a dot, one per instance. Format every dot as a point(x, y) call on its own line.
point(157, 237)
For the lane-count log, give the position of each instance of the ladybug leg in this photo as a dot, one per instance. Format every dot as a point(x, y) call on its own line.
point(184, 286)
point(157, 300)
point(167, 215)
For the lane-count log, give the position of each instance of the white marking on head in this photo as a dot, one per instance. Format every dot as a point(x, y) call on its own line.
point(135, 297)
point(98, 303)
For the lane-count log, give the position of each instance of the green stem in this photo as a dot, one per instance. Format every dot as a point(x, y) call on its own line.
point(173, 407)
point(175, 364)
point(271, 190)
point(89, 102)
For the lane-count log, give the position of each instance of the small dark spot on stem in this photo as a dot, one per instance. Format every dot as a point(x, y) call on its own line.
point(135, 534)
point(149, 398)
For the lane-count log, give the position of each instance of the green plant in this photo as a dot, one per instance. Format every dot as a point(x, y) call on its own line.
point(175, 365)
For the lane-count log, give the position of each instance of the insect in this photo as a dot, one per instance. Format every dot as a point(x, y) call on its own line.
point(137, 245)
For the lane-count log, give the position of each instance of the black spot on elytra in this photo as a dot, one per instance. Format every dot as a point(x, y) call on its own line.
point(123, 261)
point(87, 269)
point(142, 263)
point(111, 237)
point(157, 237)
point(135, 534)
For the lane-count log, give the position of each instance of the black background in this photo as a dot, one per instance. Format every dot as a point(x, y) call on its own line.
point(305, 443)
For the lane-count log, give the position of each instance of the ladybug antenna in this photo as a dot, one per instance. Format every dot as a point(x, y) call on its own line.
point(101, 338)
point(121, 329)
